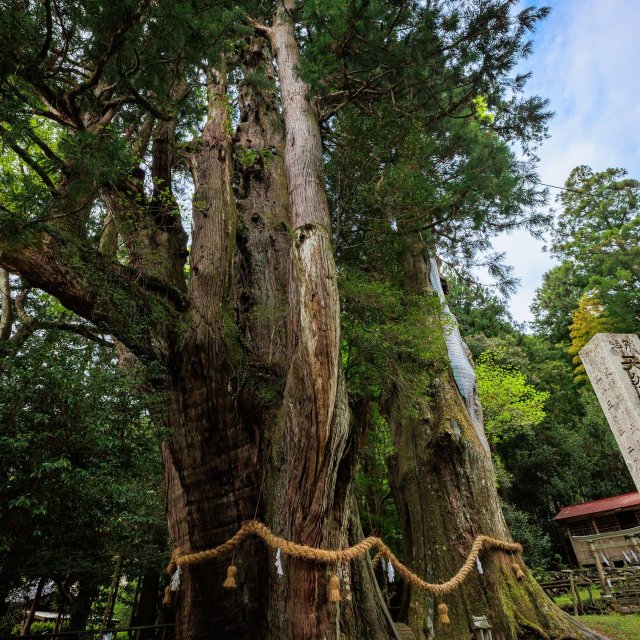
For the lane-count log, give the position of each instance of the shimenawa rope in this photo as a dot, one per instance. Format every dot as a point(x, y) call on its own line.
point(342, 556)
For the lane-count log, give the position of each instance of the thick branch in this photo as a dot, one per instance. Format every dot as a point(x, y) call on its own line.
point(115, 298)
point(47, 40)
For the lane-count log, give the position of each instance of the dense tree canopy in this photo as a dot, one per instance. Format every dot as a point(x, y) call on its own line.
point(82, 479)
point(596, 238)
point(81, 460)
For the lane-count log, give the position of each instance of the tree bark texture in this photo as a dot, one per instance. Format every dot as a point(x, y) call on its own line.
point(259, 409)
point(6, 306)
point(211, 461)
point(444, 488)
point(316, 445)
point(146, 605)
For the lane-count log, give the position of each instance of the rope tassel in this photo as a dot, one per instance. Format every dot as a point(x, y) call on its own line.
point(172, 566)
point(174, 571)
point(518, 571)
point(443, 614)
point(341, 557)
point(334, 588)
point(230, 582)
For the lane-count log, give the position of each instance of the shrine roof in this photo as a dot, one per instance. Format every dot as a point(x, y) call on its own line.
point(615, 503)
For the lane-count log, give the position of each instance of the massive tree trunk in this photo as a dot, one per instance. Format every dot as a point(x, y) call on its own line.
point(211, 461)
point(444, 488)
point(259, 408)
point(314, 446)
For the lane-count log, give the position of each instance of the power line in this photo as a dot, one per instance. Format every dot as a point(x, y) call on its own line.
point(583, 193)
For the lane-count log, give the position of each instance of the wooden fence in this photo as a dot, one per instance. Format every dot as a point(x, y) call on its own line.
point(157, 632)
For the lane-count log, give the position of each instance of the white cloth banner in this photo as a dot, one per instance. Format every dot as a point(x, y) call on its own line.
point(175, 579)
point(278, 563)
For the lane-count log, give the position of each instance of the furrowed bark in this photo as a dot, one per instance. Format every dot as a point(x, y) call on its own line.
point(262, 263)
point(211, 460)
point(262, 276)
point(312, 488)
point(6, 306)
point(444, 488)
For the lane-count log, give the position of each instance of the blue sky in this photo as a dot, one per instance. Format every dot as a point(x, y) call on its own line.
point(586, 61)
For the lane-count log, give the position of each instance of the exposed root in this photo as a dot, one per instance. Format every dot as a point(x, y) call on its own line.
point(530, 626)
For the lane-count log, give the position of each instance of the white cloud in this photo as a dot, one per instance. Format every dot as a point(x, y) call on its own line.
point(585, 62)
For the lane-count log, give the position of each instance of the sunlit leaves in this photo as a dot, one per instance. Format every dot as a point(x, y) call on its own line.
point(590, 317)
point(511, 405)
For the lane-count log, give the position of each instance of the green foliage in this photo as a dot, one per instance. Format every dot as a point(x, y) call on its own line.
point(535, 542)
point(39, 627)
point(556, 299)
point(571, 455)
point(248, 157)
point(454, 183)
point(82, 476)
point(479, 311)
point(511, 405)
point(614, 625)
point(388, 338)
point(482, 110)
point(597, 240)
point(376, 506)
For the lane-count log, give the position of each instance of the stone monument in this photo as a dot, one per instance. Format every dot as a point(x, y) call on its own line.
point(612, 362)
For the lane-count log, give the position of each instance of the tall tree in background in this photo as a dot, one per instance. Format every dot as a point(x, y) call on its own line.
point(104, 107)
point(440, 472)
point(597, 239)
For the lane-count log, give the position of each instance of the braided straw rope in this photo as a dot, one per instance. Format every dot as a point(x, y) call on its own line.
point(328, 556)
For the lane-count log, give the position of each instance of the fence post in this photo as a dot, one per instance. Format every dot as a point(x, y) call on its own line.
point(113, 591)
point(32, 610)
point(603, 580)
point(574, 594)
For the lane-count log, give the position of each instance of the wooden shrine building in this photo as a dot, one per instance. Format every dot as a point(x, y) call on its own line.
point(605, 532)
